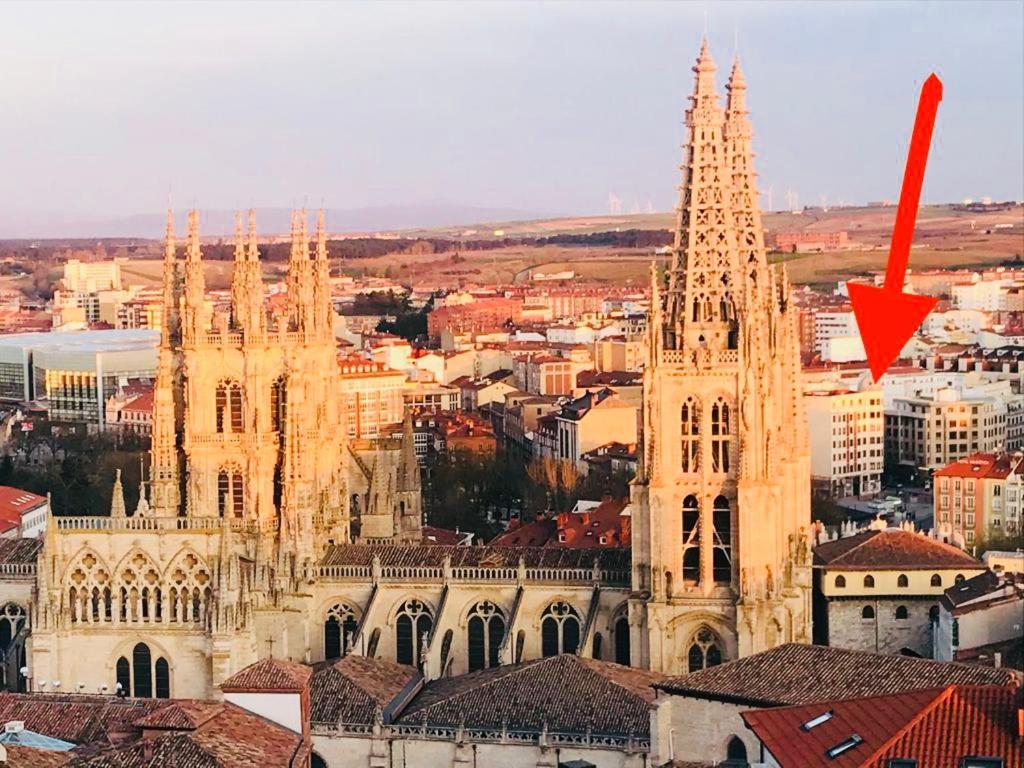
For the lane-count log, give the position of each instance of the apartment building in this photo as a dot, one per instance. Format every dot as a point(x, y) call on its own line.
point(372, 396)
point(593, 420)
point(846, 427)
point(979, 497)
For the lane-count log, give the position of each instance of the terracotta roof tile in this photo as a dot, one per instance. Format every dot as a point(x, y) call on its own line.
point(78, 719)
point(803, 674)
point(936, 727)
point(352, 689)
point(30, 757)
point(891, 549)
point(269, 675)
point(19, 550)
point(566, 693)
point(486, 557)
point(180, 715)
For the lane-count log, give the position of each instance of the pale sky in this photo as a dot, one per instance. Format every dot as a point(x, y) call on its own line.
point(545, 107)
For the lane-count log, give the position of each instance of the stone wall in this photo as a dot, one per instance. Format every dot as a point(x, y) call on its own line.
point(883, 633)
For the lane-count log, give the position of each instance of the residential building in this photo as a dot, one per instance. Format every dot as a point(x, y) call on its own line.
point(22, 514)
point(702, 716)
point(593, 420)
point(981, 620)
point(131, 411)
point(846, 424)
point(480, 315)
point(619, 353)
point(956, 726)
point(979, 497)
point(432, 397)
point(372, 396)
point(879, 590)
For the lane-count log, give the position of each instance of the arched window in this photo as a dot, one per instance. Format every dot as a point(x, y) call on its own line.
point(486, 632)
point(867, 612)
point(722, 553)
point(142, 671)
point(691, 539)
point(933, 613)
point(736, 751)
point(124, 677)
point(689, 419)
point(869, 581)
point(597, 646)
point(230, 492)
point(317, 762)
point(559, 630)
point(959, 578)
point(705, 650)
point(163, 679)
point(278, 401)
point(902, 581)
point(840, 582)
point(411, 627)
point(622, 641)
point(936, 580)
point(12, 619)
point(720, 436)
point(901, 612)
point(229, 407)
point(339, 631)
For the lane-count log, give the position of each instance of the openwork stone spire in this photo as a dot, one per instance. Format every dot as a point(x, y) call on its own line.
point(195, 283)
point(300, 277)
point(247, 313)
point(169, 322)
point(322, 280)
point(740, 159)
point(704, 275)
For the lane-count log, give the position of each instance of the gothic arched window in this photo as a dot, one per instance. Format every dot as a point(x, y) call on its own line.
point(622, 641)
point(691, 539)
point(278, 401)
point(720, 436)
point(411, 627)
point(722, 562)
point(142, 670)
point(230, 491)
point(339, 631)
point(736, 751)
point(229, 407)
point(705, 650)
point(486, 632)
point(137, 677)
point(559, 630)
point(689, 420)
point(12, 619)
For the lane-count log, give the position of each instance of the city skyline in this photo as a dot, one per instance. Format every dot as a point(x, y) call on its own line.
point(558, 111)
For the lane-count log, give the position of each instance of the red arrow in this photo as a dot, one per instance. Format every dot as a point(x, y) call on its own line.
point(886, 316)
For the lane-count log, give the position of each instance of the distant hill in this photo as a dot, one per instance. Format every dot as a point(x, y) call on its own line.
point(269, 221)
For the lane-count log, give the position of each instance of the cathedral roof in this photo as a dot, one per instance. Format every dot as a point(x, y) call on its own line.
point(486, 556)
point(269, 674)
point(19, 550)
point(803, 674)
point(353, 689)
point(891, 549)
point(564, 694)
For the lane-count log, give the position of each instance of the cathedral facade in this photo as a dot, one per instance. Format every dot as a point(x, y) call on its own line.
point(263, 532)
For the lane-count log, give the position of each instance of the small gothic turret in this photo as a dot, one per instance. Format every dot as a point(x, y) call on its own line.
point(117, 507)
point(301, 306)
point(322, 282)
point(247, 314)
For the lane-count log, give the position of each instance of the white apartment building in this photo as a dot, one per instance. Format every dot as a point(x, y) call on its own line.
point(846, 427)
point(985, 295)
point(930, 427)
point(833, 325)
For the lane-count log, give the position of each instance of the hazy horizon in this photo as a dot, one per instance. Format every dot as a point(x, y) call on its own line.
point(539, 108)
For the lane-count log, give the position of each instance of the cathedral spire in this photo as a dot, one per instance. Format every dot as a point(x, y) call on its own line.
point(238, 277)
point(740, 160)
point(169, 321)
point(195, 284)
point(247, 313)
point(704, 274)
point(300, 283)
point(322, 280)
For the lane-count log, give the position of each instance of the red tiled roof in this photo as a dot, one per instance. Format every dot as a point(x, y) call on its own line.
point(936, 727)
point(19, 550)
point(353, 689)
point(15, 502)
point(75, 718)
point(183, 715)
point(989, 465)
point(801, 674)
point(535, 533)
point(141, 404)
point(269, 675)
point(891, 549)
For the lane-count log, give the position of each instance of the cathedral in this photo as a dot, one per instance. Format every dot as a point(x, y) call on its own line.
point(262, 532)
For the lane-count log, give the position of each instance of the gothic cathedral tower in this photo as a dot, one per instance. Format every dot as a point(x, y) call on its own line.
point(721, 554)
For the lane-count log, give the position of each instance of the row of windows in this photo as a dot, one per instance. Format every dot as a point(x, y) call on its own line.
point(901, 612)
point(902, 581)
